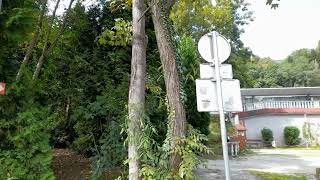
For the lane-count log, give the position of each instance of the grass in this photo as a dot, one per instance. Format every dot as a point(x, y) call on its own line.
point(303, 147)
point(276, 176)
point(246, 152)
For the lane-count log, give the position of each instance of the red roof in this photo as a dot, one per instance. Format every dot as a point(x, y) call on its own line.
point(240, 127)
point(279, 111)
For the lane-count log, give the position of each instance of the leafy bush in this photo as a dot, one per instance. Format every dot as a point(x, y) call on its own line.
point(267, 135)
point(26, 153)
point(155, 158)
point(291, 135)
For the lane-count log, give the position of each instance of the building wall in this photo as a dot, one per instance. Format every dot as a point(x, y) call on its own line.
point(277, 123)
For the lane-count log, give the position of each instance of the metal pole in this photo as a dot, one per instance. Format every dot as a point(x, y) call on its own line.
point(214, 55)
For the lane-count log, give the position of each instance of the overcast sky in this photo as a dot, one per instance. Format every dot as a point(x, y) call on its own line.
point(276, 33)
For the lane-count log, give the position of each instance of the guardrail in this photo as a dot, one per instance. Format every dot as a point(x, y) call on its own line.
point(281, 104)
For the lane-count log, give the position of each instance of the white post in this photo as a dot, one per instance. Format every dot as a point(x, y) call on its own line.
point(215, 57)
point(306, 122)
point(232, 149)
point(236, 119)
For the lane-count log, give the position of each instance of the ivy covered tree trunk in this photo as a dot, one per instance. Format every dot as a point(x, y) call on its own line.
point(177, 124)
point(136, 104)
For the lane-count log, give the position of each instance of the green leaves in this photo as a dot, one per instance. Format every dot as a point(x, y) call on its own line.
point(291, 135)
point(119, 35)
point(273, 4)
point(298, 69)
point(17, 20)
point(28, 154)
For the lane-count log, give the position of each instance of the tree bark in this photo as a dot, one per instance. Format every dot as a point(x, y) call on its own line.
point(168, 56)
point(33, 42)
point(136, 102)
point(47, 49)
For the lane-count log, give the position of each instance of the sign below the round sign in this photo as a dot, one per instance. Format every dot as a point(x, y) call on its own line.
point(223, 46)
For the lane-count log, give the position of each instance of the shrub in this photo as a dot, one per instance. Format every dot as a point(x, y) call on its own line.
point(291, 136)
point(27, 154)
point(267, 135)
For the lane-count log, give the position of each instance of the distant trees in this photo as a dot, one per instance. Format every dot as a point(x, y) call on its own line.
point(299, 69)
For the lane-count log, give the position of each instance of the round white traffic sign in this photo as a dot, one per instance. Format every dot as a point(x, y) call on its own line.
point(223, 46)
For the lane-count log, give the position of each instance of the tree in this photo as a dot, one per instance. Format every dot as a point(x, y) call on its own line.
point(136, 102)
point(196, 18)
point(48, 46)
point(177, 118)
point(190, 61)
point(34, 39)
point(315, 56)
point(273, 4)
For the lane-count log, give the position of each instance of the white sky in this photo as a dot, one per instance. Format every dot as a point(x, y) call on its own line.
point(64, 5)
point(276, 33)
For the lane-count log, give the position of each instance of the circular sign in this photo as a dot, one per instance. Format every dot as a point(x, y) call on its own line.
point(223, 46)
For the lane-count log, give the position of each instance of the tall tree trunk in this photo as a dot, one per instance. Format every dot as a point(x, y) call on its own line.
point(136, 104)
point(49, 47)
point(34, 40)
point(168, 56)
point(0, 5)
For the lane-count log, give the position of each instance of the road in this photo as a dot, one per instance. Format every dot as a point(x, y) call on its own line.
point(286, 161)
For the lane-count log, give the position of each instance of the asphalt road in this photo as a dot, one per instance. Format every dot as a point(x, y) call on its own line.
point(286, 161)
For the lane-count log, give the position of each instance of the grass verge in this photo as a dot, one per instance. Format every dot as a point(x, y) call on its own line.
point(276, 176)
point(301, 148)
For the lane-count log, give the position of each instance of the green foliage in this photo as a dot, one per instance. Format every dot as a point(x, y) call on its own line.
point(267, 136)
point(110, 151)
point(276, 176)
point(297, 70)
point(198, 17)
point(17, 19)
point(273, 3)
point(155, 158)
point(195, 18)
point(291, 136)
point(119, 35)
point(190, 72)
point(26, 153)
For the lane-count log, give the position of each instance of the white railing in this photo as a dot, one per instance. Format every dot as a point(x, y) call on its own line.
point(234, 148)
point(282, 104)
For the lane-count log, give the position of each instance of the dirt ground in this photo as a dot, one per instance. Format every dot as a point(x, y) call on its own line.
point(69, 166)
point(286, 161)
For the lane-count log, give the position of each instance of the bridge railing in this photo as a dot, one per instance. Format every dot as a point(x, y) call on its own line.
point(281, 104)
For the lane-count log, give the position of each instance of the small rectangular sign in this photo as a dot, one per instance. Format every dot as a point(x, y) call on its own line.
point(208, 72)
point(207, 96)
point(2, 88)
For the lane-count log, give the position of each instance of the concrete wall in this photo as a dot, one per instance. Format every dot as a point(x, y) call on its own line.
point(277, 123)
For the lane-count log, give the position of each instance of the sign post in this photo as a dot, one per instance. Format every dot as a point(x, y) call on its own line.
point(215, 57)
point(217, 92)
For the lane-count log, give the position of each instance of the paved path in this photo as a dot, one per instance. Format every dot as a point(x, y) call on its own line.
point(284, 161)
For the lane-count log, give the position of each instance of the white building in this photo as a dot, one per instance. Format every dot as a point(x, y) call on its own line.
point(276, 108)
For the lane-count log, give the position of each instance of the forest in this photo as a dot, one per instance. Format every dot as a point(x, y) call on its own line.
point(114, 81)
